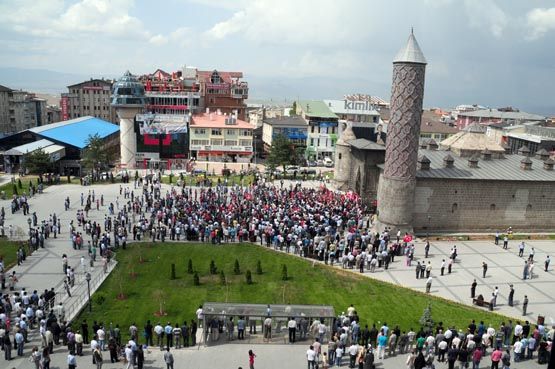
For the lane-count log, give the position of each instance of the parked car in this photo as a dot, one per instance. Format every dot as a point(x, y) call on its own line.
point(312, 163)
point(328, 162)
point(291, 169)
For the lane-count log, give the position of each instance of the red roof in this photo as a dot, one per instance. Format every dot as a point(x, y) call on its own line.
point(204, 75)
point(213, 120)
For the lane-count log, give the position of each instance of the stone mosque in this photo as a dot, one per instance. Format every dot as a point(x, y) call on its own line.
point(466, 183)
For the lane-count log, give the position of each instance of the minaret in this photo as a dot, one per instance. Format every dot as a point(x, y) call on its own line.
point(128, 98)
point(398, 180)
point(342, 172)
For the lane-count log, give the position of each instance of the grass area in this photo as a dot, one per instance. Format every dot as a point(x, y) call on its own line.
point(151, 284)
point(8, 252)
point(8, 188)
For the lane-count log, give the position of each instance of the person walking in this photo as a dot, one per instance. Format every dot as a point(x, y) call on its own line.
point(168, 358)
point(442, 266)
point(506, 242)
point(71, 360)
point(251, 359)
point(473, 289)
point(525, 270)
point(97, 354)
point(524, 305)
point(511, 295)
point(484, 269)
point(428, 284)
point(520, 249)
point(546, 263)
point(311, 357)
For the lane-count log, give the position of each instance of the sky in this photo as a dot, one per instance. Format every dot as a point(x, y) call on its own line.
point(489, 52)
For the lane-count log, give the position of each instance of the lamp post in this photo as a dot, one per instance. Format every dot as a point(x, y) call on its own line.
point(88, 279)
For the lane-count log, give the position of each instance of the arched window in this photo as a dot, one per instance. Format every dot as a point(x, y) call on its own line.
point(339, 156)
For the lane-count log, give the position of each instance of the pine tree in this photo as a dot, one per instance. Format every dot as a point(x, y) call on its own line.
point(258, 267)
point(248, 277)
point(213, 268)
point(222, 278)
point(196, 279)
point(284, 275)
point(190, 267)
point(172, 276)
point(236, 268)
point(426, 320)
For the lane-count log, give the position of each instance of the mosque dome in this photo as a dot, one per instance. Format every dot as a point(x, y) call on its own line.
point(128, 92)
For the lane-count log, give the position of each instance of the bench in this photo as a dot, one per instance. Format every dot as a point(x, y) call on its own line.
point(481, 303)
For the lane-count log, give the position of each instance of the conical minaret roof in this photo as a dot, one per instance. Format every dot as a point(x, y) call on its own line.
point(411, 53)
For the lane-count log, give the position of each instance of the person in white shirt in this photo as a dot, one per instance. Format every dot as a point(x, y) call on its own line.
point(292, 325)
point(200, 316)
point(353, 351)
point(338, 355)
point(311, 357)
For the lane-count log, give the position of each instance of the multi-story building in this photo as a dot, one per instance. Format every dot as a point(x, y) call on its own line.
point(89, 98)
point(294, 128)
point(20, 110)
point(220, 137)
point(489, 116)
point(223, 91)
point(53, 114)
point(322, 128)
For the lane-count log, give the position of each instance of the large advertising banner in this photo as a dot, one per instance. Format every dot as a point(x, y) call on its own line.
point(64, 106)
point(160, 124)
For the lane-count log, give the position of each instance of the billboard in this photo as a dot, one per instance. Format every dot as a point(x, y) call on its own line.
point(159, 124)
point(64, 107)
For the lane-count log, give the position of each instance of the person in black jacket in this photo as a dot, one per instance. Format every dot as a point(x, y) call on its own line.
point(452, 355)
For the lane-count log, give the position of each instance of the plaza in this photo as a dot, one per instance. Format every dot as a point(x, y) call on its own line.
point(43, 270)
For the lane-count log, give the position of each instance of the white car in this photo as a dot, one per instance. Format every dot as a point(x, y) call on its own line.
point(328, 162)
point(291, 169)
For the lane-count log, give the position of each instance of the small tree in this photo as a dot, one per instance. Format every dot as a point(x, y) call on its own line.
point(236, 268)
point(213, 269)
point(426, 320)
point(222, 278)
point(190, 267)
point(248, 277)
point(196, 279)
point(38, 162)
point(284, 275)
point(282, 152)
point(293, 110)
point(172, 276)
point(258, 267)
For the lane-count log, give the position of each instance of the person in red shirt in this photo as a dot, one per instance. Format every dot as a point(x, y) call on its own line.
point(476, 357)
point(496, 358)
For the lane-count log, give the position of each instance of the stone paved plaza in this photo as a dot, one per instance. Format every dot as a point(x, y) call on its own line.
point(44, 270)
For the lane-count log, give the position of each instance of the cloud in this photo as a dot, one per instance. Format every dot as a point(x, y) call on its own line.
point(52, 19)
point(325, 23)
point(540, 21)
point(486, 14)
point(158, 40)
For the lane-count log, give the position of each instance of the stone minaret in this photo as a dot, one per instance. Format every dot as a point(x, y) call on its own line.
point(398, 180)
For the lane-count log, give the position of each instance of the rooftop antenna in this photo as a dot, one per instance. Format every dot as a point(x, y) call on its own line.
point(412, 30)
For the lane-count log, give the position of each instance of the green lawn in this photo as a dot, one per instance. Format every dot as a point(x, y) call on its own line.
point(375, 301)
point(8, 252)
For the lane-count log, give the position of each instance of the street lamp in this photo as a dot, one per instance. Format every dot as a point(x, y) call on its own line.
point(88, 279)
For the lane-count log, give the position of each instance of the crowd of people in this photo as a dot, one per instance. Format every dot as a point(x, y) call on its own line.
point(311, 222)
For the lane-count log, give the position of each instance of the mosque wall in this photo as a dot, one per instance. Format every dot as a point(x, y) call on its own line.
point(483, 205)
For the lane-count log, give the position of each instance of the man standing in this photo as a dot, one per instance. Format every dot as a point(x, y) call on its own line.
point(428, 284)
point(484, 269)
point(521, 249)
point(428, 269)
point(310, 357)
point(292, 325)
point(506, 242)
point(168, 358)
point(442, 266)
point(524, 305)
point(511, 295)
point(71, 360)
point(496, 358)
point(473, 289)
point(495, 293)
point(427, 249)
point(497, 238)
point(546, 263)
point(525, 270)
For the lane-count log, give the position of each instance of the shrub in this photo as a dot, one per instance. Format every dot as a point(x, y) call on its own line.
point(222, 278)
point(190, 267)
point(236, 268)
point(196, 279)
point(258, 267)
point(213, 269)
point(19, 184)
point(99, 298)
point(172, 276)
point(14, 190)
point(248, 277)
point(284, 276)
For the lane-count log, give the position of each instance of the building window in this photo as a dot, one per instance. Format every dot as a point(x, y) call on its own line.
point(216, 132)
point(217, 142)
point(311, 142)
point(492, 207)
point(454, 207)
point(245, 143)
point(528, 207)
point(231, 132)
point(230, 143)
point(339, 156)
point(200, 131)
